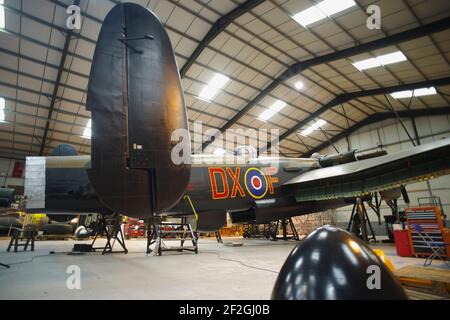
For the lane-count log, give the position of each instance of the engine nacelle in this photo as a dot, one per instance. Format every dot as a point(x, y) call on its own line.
point(346, 157)
point(335, 159)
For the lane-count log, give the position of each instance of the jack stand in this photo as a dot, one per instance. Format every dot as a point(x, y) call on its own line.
point(27, 234)
point(111, 228)
point(376, 207)
point(284, 224)
point(151, 233)
point(218, 237)
point(359, 220)
point(394, 208)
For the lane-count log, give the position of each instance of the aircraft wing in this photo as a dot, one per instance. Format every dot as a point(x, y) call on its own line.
point(420, 163)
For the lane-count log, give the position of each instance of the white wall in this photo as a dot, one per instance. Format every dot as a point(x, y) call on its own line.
point(393, 137)
point(6, 170)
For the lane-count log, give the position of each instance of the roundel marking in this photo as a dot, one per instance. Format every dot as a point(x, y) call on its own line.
point(255, 183)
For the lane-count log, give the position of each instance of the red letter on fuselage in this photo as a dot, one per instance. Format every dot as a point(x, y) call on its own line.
point(236, 185)
point(271, 181)
point(212, 177)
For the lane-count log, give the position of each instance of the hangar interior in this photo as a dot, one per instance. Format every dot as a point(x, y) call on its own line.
point(317, 72)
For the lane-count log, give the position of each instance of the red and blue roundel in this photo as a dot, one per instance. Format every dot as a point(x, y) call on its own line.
point(255, 183)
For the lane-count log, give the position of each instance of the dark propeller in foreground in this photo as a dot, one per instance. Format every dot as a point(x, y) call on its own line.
point(332, 264)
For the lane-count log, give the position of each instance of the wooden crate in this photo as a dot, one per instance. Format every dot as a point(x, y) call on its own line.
point(305, 224)
point(420, 295)
point(425, 279)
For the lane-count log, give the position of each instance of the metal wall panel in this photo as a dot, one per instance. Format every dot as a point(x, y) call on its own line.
point(35, 182)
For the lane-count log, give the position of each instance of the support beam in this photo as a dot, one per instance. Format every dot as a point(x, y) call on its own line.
point(297, 68)
point(416, 132)
point(11, 156)
point(41, 106)
point(377, 117)
point(220, 25)
point(40, 78)
point(43, 63)
point(6, 132)
point(41, 93)
point(62, 62)
point(359, 94)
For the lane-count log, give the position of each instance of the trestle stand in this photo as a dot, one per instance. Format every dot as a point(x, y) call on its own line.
point(27, 235)
point(218, 237)
point(359, 221)
point(111, 228)
point(284, 223)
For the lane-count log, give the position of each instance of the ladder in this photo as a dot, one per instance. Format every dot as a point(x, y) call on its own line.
point(158, 231)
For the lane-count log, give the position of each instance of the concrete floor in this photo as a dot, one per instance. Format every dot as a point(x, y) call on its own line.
point(217, 272)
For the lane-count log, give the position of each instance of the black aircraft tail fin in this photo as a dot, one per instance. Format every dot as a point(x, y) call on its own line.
point(137, 103)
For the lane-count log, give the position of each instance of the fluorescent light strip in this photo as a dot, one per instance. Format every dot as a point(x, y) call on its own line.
point(313, 127)
point(87, 131)
point(379, 61)
point(214, 85)
point(2, 15)
point(274, 108)
point(2, 109)
point(322, 10)
point(309, 16)
point(208, 93)
point(390, 58)
point(417, 93)
point(219, 152)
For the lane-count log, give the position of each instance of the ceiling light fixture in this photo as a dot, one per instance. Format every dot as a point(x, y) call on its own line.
point(322, 10)
point(379, 61)
point(87, 131)
point(274, 108)
point(313, 127)
point(2, 110)
point(219, 152)
point(214, 85)
point(299, 85)
point(2, 15)
point(417, 93)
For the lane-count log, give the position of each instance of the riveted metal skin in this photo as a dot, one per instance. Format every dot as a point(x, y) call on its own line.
point(331, 264)
point(136, 100)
